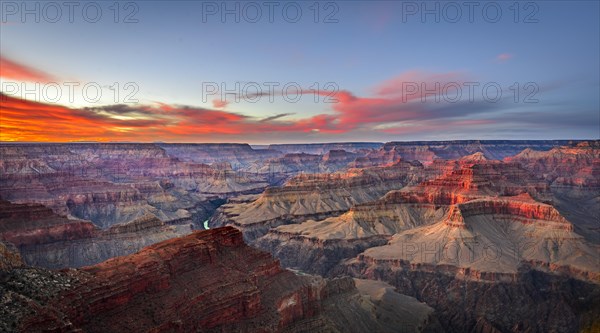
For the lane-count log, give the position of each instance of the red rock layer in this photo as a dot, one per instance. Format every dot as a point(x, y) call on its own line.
point(565, 166)
point(520, 207)
point(23, 225)
point(49, 240)
point(473, 179)
point(209, 281)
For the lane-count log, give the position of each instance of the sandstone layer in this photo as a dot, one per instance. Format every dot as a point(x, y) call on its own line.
point(315, 196)
point(48, 240)
point(209, 281)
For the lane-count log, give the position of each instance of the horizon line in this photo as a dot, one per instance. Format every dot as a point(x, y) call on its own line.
point(288, 143)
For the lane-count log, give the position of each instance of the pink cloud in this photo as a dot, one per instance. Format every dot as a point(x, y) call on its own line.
point(425, 81)
point(503, 57)
point(10, 69)
point(219, 104)
point(388, 111)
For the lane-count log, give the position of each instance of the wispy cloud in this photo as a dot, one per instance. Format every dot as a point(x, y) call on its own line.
point(275, 117)
point(219, 104)
point(13, 70)
point(389, 111)
point(504, 57)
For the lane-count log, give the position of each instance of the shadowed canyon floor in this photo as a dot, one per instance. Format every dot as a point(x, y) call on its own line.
point(448, 236)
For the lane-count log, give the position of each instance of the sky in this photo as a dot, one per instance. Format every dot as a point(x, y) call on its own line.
point(291, 72)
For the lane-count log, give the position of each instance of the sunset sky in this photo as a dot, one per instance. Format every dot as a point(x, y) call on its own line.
point(357, 67)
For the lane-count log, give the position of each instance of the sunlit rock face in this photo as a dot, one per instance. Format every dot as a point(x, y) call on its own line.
point(208, 281)
point(426, 151)
point(466, 227)
point(313, 196)
point(482, 221)
point(573, 173)
point(502, 191)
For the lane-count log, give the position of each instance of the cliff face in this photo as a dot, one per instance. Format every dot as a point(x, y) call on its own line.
point(316, 196)
point(459, 225)
point(238, 155)
point(480, 229)
point(577, 166)
point(531, 301)
point(378, 157)
point(46, 239)
point(9, 257)
point(573, 173)
point(488, 239)
point(319, 245)
point(425, 151)
point(208, 281)
point(294, 163)
point(117, 183)
point(322, 148)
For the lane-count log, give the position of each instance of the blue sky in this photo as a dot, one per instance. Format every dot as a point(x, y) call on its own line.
point(367, 54)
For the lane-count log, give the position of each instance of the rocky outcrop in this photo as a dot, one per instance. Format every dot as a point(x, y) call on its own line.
point(459, 225)
point(238, 155)
point(488, 239)
point(530, 301)
point(377, 157)
point(319, 245)
point(565, 167)
point(278, 170)
point(117, 182)
point(323, 148)
point(209, 281)
point(573, 172)
point(46, 239)
point(484, 252)
point(480, 229)
point(315, 197)
point(9, 257)
point(426, 151)
point(416, 316)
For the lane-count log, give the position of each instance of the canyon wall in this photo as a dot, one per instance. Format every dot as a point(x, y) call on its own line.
point(208, 281)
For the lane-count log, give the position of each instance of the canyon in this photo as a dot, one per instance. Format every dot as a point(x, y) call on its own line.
point(399, 236)
point(208, 281)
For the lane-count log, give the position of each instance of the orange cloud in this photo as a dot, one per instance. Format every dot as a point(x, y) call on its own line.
point(219, 104)
point(390, 111)
point(24, 120)
point(12, 70)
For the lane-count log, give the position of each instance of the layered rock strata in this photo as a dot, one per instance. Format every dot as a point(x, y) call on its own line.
point(46, 239)
point(209, 281)
point(317, 196)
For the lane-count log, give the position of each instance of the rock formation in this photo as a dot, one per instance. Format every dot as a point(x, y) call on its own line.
point(573, 173)
point(481, 229)
point(209, 281)
point(117, 183)
point(323, 148)
point(493, 236)
point(318, 245)
point(426, 151)
point(46, 239)
point(315, 196)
